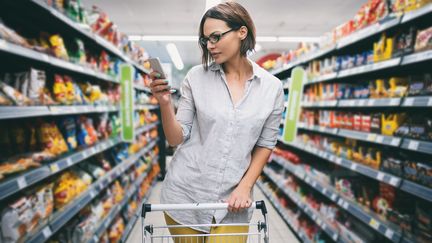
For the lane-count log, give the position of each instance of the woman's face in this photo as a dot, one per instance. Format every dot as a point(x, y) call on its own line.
point(228, 45)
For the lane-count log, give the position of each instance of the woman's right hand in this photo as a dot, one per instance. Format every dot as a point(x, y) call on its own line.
point(160, 89)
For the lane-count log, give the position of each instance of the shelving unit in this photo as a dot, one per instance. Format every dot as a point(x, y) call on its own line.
point(361, 36)
point(14, 186)
point(385, 228)
point(413, 147)
point(59, 219)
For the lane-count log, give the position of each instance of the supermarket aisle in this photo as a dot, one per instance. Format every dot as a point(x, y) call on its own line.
point(279, 231)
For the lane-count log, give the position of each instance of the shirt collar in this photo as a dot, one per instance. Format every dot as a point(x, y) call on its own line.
point(255, 69)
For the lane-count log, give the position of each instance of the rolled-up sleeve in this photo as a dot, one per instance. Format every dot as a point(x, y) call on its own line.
point(186, 108)
point(270, 131)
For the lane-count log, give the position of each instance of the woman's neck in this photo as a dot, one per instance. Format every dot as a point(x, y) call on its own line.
point(238, 66)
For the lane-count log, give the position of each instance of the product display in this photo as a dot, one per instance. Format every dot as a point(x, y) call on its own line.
point(363, 148)
point(66, 175)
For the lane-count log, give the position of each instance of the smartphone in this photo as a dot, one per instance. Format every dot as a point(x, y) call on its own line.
point(156, 66)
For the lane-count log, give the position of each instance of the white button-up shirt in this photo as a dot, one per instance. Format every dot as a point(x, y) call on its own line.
point(218, 138)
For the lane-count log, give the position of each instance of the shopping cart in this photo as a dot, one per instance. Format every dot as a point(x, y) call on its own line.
point(258, 232)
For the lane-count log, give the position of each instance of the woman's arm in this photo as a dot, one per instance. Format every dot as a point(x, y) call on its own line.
point(240, 197)
point(177, 128)
point(172, 128)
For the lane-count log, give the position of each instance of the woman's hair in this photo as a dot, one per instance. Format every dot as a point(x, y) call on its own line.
point(235, 16)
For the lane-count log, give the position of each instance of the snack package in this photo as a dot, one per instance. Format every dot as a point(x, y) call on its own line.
point(16, 97)
point(79, 96)
point(95, 171)
point(88, 124)
point(77, 52)
point(424, 40)
point(16, 219)
point(102, 127)
point(68, 129)
point(45, 200)
point(36, 86)
point(59, 89)
point(420, 85)
point(4, 100)
point(70, 92)
point(82, 135)
point(51, 139)
point(58, 47)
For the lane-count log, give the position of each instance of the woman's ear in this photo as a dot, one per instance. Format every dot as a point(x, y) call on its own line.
point(243, 31)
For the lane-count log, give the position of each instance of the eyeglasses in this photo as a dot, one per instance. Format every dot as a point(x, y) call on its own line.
point(213, 38)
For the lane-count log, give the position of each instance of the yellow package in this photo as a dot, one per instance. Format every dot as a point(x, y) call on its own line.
point(383, 49)
point(58, 47)
point(398, 87)
point(391, 122)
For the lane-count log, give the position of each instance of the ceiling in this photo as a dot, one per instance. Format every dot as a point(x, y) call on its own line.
point(310, 18)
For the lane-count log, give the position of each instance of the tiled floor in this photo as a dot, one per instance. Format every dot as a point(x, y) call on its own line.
point(279, 231)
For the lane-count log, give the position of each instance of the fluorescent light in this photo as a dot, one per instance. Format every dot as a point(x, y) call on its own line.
point(211, 3)
point(135, 37)
point(298, 39)
point(193, 38)
point(169, 38)
point(175, 56)
point(266, 38)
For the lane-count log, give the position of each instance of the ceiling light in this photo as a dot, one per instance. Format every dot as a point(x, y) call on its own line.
point(169, 38)
point(175, 56)
point(298, 39)
point(135, 37)
point(266, 38)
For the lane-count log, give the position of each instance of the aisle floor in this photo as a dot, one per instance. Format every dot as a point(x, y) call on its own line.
point(279, 231)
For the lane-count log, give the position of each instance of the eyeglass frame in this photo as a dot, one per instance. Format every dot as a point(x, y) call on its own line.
point(207, 39)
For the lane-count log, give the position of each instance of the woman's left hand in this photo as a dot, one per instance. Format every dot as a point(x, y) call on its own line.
point(239, 199)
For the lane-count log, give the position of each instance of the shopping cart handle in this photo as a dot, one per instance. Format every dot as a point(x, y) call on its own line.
point(195, 206)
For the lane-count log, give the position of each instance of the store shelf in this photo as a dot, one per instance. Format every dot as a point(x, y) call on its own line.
point(146, 128)
point(304, 207)
point(369, 68)
point(327, 103)
point(406, 185)
point(332, 131)
point(417, 145)
point(421, 101)
point(279, 208)
point(418, 190)
point(7, 112)
point(60, 218)
point(137, 214)
point(322, 78)
point(20, 51)
point(417, 57)
point(317, 54)
point(371, 137)
point(412, 15)
point(390, 102)
point(103, 226)
point(388, 230)
point(16, 184)
point(368, 32)
point(101, 42)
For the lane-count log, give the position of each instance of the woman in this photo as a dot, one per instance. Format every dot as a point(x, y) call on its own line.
point(226, 124)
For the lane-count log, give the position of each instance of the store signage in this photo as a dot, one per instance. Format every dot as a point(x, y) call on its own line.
point(127, 101)
point(298, 78)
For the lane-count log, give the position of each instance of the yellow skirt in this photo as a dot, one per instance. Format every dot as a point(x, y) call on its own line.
point(207, 239)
